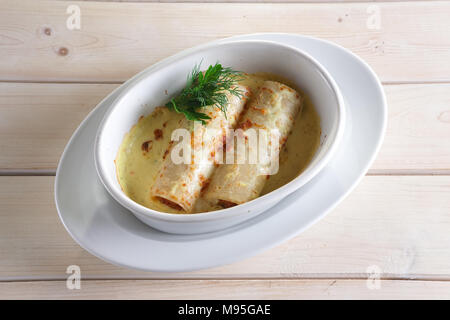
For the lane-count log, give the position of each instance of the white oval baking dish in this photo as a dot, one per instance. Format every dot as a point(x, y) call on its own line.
point(148, 89)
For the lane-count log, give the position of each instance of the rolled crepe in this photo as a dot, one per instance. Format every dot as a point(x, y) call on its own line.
point(275, 106)
point(179, 185)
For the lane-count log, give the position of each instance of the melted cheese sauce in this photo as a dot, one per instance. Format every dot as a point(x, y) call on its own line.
point(141, 153)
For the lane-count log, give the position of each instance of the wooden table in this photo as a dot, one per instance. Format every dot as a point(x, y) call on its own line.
point(398, 218)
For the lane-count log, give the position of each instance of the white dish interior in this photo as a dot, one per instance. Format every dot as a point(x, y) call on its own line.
point(153, 87)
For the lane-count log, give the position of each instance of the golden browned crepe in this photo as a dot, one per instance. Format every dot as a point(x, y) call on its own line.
point(179, 185)
point(274, 107)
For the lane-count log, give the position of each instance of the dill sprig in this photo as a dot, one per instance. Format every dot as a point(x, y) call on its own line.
point(207, 88)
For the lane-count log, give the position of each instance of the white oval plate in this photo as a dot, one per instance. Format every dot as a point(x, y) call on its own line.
point(110, 232)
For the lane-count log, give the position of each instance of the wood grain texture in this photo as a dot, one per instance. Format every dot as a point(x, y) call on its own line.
point(418, 132)
point(36, 121)
point(116, 40)
point(227, 289)
point(398, 223)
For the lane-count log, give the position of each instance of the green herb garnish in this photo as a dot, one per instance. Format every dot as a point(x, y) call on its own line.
point(203, 89)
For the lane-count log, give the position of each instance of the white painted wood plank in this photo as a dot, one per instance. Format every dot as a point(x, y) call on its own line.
point(227, 289)
point(398, 223)
point(37, 120)
point(116, 40)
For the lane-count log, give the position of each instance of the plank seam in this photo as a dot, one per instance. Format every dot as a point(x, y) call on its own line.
point(25, 81)
point(426, 279)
